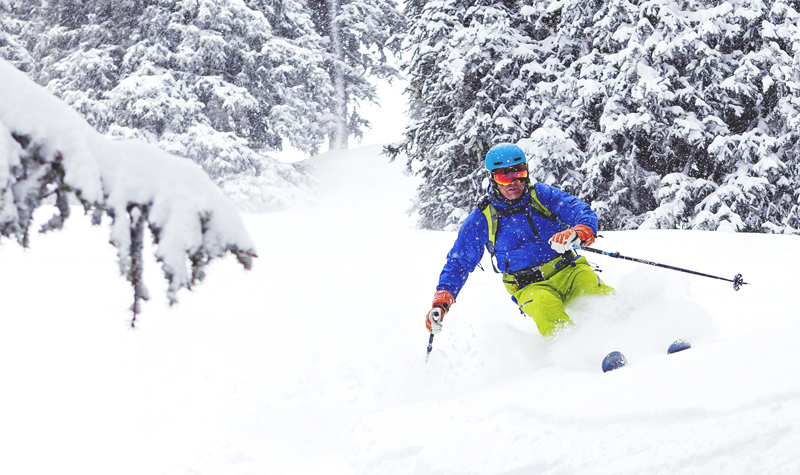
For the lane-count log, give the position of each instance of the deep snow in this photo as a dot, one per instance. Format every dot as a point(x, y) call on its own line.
point(314, 361)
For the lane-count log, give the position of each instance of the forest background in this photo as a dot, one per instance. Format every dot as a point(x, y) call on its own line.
point(661, 114)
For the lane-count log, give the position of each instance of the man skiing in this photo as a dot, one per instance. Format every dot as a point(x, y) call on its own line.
point(522, 226)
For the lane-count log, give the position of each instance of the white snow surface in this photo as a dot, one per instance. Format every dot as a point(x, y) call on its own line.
point(314, 361)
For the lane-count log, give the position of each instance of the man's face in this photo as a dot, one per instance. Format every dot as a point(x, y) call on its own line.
point(510, 181)
point(512, 191)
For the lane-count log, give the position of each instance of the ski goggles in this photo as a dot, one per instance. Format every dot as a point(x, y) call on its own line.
point(506, 176)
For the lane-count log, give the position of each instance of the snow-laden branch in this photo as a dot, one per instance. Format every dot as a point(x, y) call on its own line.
point(48, 149)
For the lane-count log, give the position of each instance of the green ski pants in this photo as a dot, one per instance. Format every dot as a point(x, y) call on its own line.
point(544, 301)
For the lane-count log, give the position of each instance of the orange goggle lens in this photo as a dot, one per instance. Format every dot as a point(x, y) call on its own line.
point(505, 176)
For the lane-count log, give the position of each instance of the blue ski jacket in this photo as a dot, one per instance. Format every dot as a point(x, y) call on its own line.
point(516, 246)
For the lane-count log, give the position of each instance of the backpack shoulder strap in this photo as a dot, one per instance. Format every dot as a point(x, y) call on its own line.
point(538, 206)
point(492, 220)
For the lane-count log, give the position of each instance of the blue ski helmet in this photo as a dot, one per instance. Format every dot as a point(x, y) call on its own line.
point(504, 155)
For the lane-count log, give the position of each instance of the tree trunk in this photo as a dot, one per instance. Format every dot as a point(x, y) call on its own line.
point(338, 138)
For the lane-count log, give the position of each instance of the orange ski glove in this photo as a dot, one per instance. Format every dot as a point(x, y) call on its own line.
point(442, 301)
point(572, 238)
point(585, 234)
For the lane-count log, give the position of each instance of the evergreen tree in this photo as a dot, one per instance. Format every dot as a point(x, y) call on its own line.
point(12, 30)
point(358, 35)
point(738, 141)
point(465, 66)
point(661, 114)
point(208, 80)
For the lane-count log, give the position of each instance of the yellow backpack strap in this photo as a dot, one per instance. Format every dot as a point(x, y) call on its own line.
point(538, 206)
point(492, 221)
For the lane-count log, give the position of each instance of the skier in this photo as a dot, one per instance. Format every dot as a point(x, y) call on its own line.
point(522, 226)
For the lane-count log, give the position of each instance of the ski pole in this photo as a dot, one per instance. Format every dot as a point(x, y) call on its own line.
point(737, 280)
point(430, 347)
point(436, 316)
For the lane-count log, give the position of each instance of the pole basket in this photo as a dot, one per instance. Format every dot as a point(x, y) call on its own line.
point(738, 282)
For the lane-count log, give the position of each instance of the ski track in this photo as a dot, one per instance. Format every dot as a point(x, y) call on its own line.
point(314, 361)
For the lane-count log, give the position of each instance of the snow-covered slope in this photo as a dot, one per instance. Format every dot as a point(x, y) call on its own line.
point(314, 362)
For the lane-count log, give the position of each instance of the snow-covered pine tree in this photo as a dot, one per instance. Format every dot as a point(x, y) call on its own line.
point(48, 150)
point(759, 99)
point(661, 114)
point(208, 80)
point(562, 109)
point(359, 34)
point(669, 100)
point(464, 68)
point(12, 29)
point(633, 140)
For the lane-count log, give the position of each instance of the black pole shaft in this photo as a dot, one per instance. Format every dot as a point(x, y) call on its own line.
point(430, 347)
point(617, 255)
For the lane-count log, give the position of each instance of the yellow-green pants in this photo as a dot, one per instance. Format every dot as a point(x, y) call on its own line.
point(544, 301)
